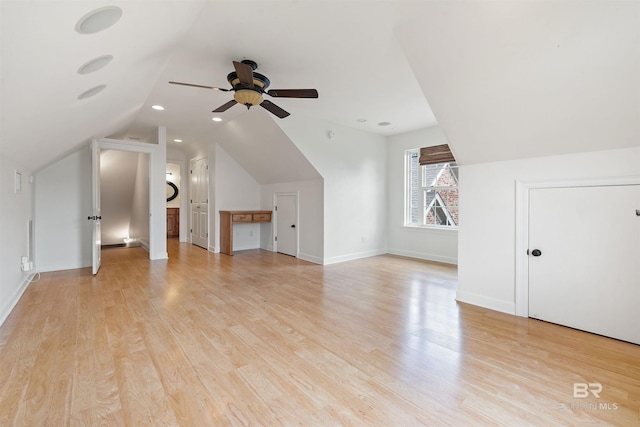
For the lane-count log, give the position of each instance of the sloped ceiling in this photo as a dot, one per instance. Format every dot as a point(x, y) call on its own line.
point(260, 146)
point(41, 53)
point(505, 79)
point(510, 80)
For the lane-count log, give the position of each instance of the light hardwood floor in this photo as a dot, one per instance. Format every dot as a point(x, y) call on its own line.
point(266, 339)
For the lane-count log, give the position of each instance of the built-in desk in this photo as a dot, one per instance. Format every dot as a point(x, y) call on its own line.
point(228, 218)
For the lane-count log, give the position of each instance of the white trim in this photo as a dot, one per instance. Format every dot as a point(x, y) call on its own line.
point(310, 258)
point(431, 227)
point(423, 256)
point(354, 256)
point(522, 226)
point(8, 306)
point(486, 302)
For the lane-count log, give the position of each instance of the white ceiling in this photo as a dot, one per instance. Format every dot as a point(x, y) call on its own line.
point(505, 79)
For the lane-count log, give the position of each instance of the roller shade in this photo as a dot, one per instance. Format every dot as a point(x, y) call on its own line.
point(435, 154)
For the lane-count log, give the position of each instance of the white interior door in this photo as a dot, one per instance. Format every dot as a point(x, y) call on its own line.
point(96, 214)
point(586, 274)
point(200, 203)
point(287, 224)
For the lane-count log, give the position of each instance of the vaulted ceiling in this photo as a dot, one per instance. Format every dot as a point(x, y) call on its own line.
point(504, 80)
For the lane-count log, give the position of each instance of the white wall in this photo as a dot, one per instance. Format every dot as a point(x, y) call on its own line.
point(310, 217)
point(486, 269)
point(139, 229)
point(15, 212)
point(354, 167)
point(424, 243)
point(62, 204)
point(235, 189)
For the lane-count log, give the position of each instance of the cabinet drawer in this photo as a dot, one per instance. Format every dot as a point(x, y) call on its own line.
point(241, 218)
point(266, 217)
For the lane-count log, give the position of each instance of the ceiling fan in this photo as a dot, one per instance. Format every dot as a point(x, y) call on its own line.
point(249, 87)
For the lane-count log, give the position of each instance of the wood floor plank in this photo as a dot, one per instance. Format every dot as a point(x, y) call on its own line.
point(266, 339)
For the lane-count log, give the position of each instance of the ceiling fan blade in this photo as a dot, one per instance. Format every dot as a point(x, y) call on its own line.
point(273, 108)
point(225, 107)
point(200, 86)
point(293, 93)
point(245, 73)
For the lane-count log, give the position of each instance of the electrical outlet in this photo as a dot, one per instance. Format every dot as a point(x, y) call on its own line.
point(26, 266)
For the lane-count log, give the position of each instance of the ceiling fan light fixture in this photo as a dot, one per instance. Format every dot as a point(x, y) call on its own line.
point(248, 97)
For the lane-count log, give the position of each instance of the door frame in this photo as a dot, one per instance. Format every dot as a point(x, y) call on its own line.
point(522, 226)
point(297, 219)
point(155, 243)
point(184, 201)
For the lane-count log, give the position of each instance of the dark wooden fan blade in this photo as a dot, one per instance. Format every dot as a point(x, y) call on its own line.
point(225, 107)
point(293, 93)
point(200, 86)
point(245, 73)
point(273, 108)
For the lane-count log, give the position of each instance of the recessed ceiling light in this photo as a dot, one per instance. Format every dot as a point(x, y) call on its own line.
point(98, 20)
point(91, 92)
point(384, 123)
point(157, 107)
point(216, 119)
point(361, 120)
point(95, 64)
point(177, 140)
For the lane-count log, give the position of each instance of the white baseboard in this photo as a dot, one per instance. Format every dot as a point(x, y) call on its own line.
point(353, 256)
point(144, 244)
point(508, 307)
point(426, 257)
point(310, 258)
point(8, 306)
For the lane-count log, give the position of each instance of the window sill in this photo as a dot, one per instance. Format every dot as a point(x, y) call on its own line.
point(430, 227)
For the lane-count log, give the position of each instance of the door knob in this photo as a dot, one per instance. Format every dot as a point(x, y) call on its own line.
point(536, 252)
point(293, 226)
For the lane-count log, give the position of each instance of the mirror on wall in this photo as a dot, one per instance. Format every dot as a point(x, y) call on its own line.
point(173, 185)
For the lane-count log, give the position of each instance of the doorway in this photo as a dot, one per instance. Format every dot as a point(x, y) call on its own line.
point(286, 232)
point(122, 197)
point(156, 205)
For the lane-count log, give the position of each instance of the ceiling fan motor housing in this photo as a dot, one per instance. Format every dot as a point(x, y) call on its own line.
point(245, 95)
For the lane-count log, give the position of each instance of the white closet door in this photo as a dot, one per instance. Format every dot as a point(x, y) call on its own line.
point(286, 224)
point(200, 203)
point(587, 272)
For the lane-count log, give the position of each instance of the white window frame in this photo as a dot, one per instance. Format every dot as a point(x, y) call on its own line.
point(421, 201)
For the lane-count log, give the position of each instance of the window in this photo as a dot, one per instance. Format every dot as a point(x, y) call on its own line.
point(432, 192)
